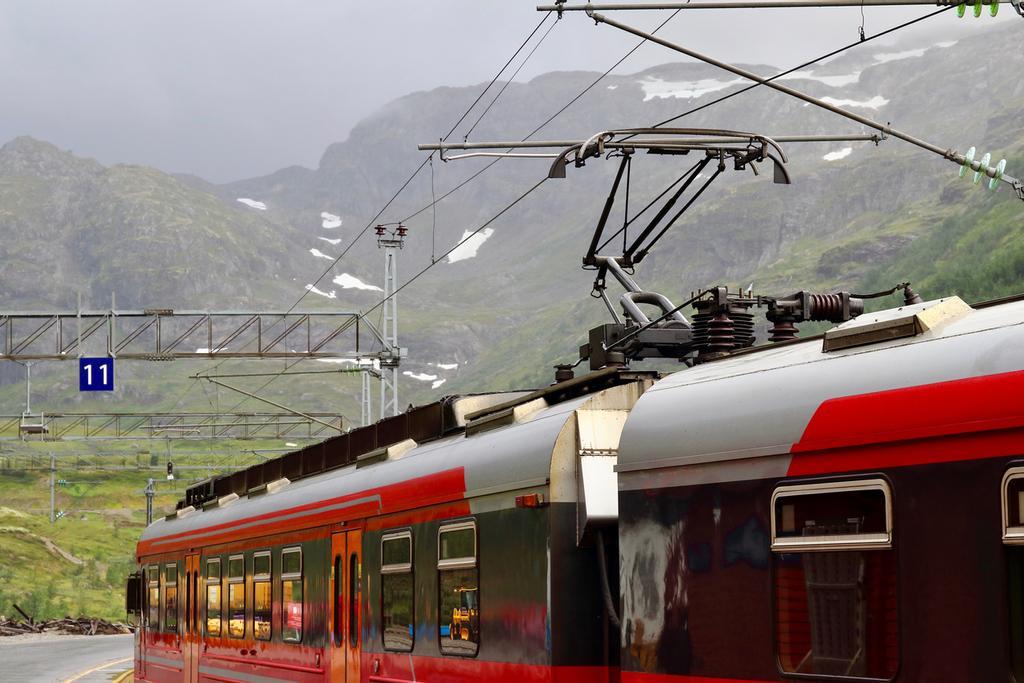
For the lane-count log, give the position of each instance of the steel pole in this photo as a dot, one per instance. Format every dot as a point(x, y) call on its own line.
point(53, 494)
point(950, 154)
point(150, 492)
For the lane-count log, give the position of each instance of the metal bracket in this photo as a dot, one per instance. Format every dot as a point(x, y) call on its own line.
point(1018, 187)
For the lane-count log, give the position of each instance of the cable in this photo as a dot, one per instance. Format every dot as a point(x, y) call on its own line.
point(509, 81)
point(536, 130)
point(801, 66)
point(548, 120)
point(498, 75)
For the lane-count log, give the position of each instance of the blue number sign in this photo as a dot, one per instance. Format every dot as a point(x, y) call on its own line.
point(95, 374)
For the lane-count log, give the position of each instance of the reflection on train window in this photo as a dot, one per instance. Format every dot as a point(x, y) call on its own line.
point(291, 594)
point(396, 591)
point(236, 596)
point(213, 597)
point(153, 579)
point(339, 600)
point(458, 589)
point(261, 606)
point(835, 580)
point(354, 574)
point(171, 598)
point(1013, 538)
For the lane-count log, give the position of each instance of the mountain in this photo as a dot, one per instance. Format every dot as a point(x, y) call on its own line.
point(857, 215)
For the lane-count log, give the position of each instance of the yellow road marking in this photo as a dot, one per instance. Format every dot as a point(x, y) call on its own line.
point(95, 669)
point(123, 678)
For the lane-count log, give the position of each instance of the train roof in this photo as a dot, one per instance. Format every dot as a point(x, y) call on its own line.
point(504, 446)
point(752, 405)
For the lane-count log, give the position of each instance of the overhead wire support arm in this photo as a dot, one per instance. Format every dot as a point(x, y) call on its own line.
point(757, 4)
point(964, 161)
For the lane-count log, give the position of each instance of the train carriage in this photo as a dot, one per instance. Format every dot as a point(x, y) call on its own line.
point(451, 543)
point(846, 508)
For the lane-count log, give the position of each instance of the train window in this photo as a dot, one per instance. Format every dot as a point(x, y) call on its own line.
point(458, 589)
point(236, 596)
point(291, 594)
point(1013, 506)
point(1013, 537)
point(354, 574)
point(339, 601)
point(171, 598)
point(835, 580)
point(261, 605)
point(153, 597)
point(396, 591)
point(213, 599)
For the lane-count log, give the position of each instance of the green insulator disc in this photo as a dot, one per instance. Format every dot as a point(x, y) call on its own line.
point(968, 158)
point(993, 8)
point(977, 8)
point(961, 9)
point(983, 169)
point(1000, 169)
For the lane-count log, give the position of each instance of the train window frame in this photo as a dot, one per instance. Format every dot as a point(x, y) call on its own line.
point(236, 580)
point(847, 543)
point(168, 584)
point(287, 577)
point(152, 583)
point(397, 569)
point(1012, 535)
point(832, 543)
point(260, 579)
point(453, 564)
point(213, 582)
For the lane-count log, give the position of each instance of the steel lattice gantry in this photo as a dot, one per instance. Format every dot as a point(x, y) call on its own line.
point(95, 426)
point(164, 334)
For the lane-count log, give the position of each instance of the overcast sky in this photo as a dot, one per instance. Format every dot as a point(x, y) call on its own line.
point(229, 89)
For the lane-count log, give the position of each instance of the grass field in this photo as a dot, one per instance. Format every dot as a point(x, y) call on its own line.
point(77, 565)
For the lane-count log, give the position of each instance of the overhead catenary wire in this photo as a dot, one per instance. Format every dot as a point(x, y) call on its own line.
point(549, 119)
point(402, 188)
point(804, 65)
point(462, 184)
point(508, 82)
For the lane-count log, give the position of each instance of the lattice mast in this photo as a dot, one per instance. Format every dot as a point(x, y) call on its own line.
point(390, 239)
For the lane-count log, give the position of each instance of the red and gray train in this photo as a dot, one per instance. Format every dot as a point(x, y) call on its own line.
point(846, 507)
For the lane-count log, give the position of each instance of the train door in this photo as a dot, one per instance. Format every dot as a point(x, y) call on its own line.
point(346, 618)
point(192, 633)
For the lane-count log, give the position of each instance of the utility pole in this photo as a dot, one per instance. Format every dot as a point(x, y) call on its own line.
point(150, 492)
point(390, 241)
point(365, 400)
point(53, 483)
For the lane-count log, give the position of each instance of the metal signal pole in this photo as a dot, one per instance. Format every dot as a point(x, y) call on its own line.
point(53, 495)
point(150, 492)
point(365, 400)
point(390, 241)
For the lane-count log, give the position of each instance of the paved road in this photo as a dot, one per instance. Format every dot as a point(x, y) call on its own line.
point(59, 659)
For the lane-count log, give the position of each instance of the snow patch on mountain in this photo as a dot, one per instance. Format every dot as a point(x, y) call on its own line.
point(252, 203)
point(330, 221)
point(313, 290)
point(657, 88)
point(838, 154)
point(874, 103)
point(469, 245)
point(346, 281)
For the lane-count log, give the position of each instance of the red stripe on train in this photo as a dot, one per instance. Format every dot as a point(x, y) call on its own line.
point(433, 489)
point(396, 668)
point(641, 677)
point(979, 417)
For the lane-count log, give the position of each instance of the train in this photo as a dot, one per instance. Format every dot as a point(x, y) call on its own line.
point(847, 506)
